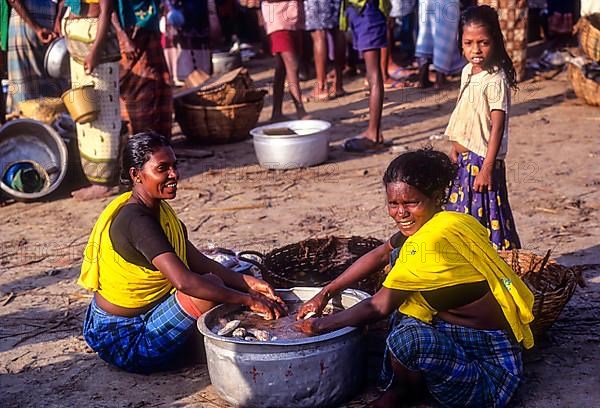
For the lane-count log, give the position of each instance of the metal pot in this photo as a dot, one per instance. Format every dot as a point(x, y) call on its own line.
point(26, 139)
point(56, 60)
point(309, 372)
point(308, 147)
point(223, 62)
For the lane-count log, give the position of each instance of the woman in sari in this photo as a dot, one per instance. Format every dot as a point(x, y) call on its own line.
point(144, 80)
point(459, 311)
point(94, 56)
point(150, 283)
point(32, 25)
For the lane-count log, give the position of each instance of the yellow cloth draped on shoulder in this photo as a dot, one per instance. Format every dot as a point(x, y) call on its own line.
point(451, 249)
point(118, 281)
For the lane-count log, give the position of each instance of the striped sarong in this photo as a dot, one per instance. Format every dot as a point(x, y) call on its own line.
point(99, 141)
point(140, 344)
point(146, 94)
point(25, 56)
point(462, 367)
point(437, 39)
point(490, 208)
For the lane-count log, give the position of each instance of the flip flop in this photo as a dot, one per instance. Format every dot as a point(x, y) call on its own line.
point(361, 144)
point(401, 73)
point(396, 84)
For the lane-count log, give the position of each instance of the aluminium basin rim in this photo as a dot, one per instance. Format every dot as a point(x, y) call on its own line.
point(313, 340)
point(257, 132)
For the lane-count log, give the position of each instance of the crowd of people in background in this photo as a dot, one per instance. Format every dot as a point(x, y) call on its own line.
point(137, 51)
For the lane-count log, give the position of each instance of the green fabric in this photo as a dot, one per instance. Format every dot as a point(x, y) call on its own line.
point(75, 6)
point(384, 6)
point(140, 13)
point(4, 13)
point(27, 181)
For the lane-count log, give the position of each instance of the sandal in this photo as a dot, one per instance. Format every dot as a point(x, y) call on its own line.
point(361, 144)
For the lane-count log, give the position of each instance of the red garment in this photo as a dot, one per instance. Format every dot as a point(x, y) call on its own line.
point(284, 41)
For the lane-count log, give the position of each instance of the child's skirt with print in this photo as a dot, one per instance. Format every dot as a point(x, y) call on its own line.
point(491, 207)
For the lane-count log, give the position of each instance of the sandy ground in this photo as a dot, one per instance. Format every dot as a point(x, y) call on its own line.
point(554, 184)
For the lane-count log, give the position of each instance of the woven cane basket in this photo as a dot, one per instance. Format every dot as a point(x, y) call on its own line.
point(231, 88)
point(317, 261)
point(217, 124)
point(588, 28)
point(552, 284)
point(586, 89)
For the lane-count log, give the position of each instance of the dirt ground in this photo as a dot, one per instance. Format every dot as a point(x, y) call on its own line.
point(228, 200)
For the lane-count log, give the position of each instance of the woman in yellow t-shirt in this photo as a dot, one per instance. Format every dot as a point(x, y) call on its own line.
point(150, 283)
point(459, 311)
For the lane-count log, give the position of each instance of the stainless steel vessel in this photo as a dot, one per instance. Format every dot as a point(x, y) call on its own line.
point(309, 145)
point(310, 372)
point(26, 140)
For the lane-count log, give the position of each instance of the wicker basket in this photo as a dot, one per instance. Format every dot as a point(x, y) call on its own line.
point(217, 124)
point(552, 284)
point(228, 89)
point(584, 88)
point(316, 262)
point(588, 28)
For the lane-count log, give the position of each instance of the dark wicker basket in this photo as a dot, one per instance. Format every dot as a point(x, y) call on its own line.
point(317, 261)
point(552, 284)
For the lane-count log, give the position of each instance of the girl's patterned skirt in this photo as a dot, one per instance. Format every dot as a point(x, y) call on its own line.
point(491, 208)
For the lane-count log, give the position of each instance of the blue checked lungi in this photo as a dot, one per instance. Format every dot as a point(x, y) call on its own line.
point(25, 56)
point(462, 367)
point(141, 344)
point(490, 208)
point(437, 38)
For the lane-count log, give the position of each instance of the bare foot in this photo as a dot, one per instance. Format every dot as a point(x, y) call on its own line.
point(318, 95)
point(304, 116)
point(279, 118)
point(337, 92)
point(92, 192)
point(440, 80)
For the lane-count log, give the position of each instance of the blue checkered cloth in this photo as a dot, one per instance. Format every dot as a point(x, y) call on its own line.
point(141, 344)
point(462, 367)
point(438, 34)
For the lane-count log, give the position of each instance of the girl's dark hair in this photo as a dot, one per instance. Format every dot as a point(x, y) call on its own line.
point(137, 151)
point(488, 18)
point(429, 171)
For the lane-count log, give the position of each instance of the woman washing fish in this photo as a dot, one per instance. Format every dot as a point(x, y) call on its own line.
point(150, 283)
point(460, 313)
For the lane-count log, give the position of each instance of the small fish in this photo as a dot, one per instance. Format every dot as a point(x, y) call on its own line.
point(239, 332)
point(228, 328)
point(309, 315)
point(249, 338)
point(261, 335)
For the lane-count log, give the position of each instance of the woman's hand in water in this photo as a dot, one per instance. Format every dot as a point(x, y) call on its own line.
point(310, 326)
point(259, 287)
point(314, 305)
point(263, 306)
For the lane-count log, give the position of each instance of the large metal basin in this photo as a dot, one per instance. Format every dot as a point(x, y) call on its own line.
point(27, 139)
point(309, 147)
point(311, 372)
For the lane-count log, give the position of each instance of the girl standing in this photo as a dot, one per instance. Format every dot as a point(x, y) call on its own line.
point(478, 127)
point(284, 21)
